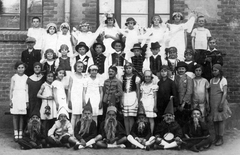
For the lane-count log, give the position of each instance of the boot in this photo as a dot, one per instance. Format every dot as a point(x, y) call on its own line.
point(220, 141)
point(216, 139)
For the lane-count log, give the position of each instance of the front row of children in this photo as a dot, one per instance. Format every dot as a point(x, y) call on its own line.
point(131, 95)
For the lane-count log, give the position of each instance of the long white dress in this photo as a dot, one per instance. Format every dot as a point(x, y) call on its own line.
point(76, 94)
point(50, 42)
point(65, 39)
point(20, 95)
point(38, 34)
point(93, 93)
point(61, 94)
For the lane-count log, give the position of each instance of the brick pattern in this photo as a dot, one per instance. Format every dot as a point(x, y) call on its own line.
point(90, 12)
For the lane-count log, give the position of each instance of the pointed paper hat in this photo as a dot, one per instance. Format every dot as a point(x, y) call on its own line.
point(169, 108)
point(64, 111)
point(88, 106)
point(141, 110)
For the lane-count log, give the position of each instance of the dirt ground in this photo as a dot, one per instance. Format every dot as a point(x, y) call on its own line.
point(9, 147)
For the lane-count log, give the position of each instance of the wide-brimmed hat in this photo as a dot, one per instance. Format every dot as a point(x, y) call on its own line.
point(82, 44)
point(136, 46)
point(181, 64)
point(155, 45)
point(118, 41)
point(30, 40)
point(99, 43)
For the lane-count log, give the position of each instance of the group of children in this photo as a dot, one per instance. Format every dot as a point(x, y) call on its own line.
point(119, 86)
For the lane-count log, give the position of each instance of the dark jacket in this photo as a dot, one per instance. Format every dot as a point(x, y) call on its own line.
point(164, 128)
point(87, 136)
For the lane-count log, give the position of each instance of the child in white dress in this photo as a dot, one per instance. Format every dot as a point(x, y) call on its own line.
point(149, 97)
point(75, 92)
point(93, 91)
point(18, 99)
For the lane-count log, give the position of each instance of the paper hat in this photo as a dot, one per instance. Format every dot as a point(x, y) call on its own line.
point(64, 25)
point(88, 106)
point(30, 40)
point(141, 110)
point(51, 25)
point(155, 45)
point(169, 108)
point(82, 44)
point(93, 67)
point(99, 43)
point(136, 46)
point(62, 110)
point(112, 108)
point(177, 13)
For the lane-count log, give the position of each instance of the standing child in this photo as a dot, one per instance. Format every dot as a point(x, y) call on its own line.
point(82, 56)
point(49, 61)
point(200, 36)
point(36, 32)
point(93, 91)
point(172, 60)
point(200, 96)
point(117, 58)
point(149, 97)
point(189, 60)
point(50, 39)
point(18, 99)
point(219, 105)
point(75, 92)
point(48, 110)
point(131, 96)
point(30, 56)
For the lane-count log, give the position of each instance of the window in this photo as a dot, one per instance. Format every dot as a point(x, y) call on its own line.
point(140, 10)
point(13, 12)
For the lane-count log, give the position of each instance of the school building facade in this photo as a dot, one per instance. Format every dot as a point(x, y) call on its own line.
point(15, 17)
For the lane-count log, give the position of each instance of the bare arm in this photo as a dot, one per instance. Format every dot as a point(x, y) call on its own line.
point(55, 97)
point(84, 95)
point(101, 96)
point(69, 92)
point(11, 91)
point(193, 44)
point(224, 95)
point(39, 94)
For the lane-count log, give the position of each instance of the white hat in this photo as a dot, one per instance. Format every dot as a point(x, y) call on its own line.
point(62, 110)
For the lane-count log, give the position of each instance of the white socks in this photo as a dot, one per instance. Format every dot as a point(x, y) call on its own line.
point(135, 142)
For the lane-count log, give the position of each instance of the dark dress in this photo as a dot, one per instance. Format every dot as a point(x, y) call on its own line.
point(34, 101)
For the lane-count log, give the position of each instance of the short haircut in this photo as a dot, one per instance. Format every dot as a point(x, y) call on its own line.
point(36, 17)
point(50, 51)
point(18, 63)
point(75, 65)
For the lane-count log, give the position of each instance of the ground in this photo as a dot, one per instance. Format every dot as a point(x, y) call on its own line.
point(9, 147)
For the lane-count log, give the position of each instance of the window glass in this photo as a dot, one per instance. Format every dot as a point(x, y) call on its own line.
point(106, 6)
point(133, 6)
point(10, 6)
point(140, 19)
point(34, 8)
point(162, 6)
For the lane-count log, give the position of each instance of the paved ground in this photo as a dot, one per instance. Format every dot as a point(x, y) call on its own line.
point(9, 147)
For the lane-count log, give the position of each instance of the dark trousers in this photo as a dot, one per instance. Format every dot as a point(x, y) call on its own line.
point(197, 142)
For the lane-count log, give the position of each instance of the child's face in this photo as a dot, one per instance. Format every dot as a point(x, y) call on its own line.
point(111, 73)
point(30, 45)
point(81, 50)
point(148, 77)
point(98, 49)
point(128, 69)
point(110, 21)
point(64, 51)
point(156, 21)
point(37, 69)
point(118, 47)
point(84, 28)
point(172, 53)
point(177, 19)
point(34, 117)
point(49, 56)
point(155, 51)
point(196, 114)
point(62, 117)
point(164, 73)
point(64, 30)
point(35, 23)
point(51, 30)
point(212, 44)
point(141, 118)
point(188, 57)
point(93, 72)
point(198, 72)
point(215, 72)
point(50, 78)
point(137, 52)
point(79, 68)
point(201, 22)
point(20, 69)
point(130, 25)
point(181, 70)
point(60, 74)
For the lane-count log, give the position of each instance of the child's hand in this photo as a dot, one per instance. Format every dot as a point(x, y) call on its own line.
point(209, 59)
point(220, 108)
point(11, 104)
point(155, 109)
point(49, 98)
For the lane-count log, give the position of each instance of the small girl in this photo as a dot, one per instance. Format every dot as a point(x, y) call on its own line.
point(131, 96)
point(49, 61)
point(59, 93)
point(149, 97)
point(48, 110)
point(64, 37)
point(219, 105)
point(172, 61)
point(190, 63)
point(200, 96)
point(18, 99)
point(50, 39)
point(93, 91)
point(81, 55)
point(75, 92)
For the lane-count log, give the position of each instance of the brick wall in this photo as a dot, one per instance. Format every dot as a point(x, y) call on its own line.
point(90, 12)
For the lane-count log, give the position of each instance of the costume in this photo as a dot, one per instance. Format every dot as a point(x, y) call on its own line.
point(20, 95)
point(172, 64)
point(34, 101)
point(50, 42)
point(201, 36)
point(61, 95)
point(93, 93)
point(48, 91)
point(166, 89)
point(117, 59)
point(65, 39)
point(153, 63)
point(38, 34)
point(147, 91)
point(87, 61)
point(130, 101)
point(100, 61)
point(77, 94)
point(146, 133)
point(29, 57)
point(190, 68)
point(49, 66)
point(216, 92)
point(86, 136)
point(200, 87)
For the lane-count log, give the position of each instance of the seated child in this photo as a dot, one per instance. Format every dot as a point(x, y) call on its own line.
point(196, 133)
point(61, 133)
